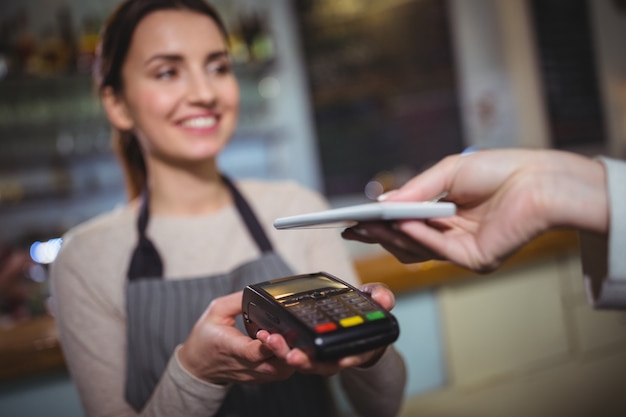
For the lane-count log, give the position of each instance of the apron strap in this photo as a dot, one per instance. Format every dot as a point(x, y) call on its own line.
point(146, 262)
point(250, 219)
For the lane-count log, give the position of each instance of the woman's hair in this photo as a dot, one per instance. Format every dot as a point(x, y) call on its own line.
point(115, 41)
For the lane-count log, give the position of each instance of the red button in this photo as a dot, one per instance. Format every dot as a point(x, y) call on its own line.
point(325, 327)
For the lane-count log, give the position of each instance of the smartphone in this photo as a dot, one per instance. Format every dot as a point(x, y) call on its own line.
point(349, 216)
point(319, 313)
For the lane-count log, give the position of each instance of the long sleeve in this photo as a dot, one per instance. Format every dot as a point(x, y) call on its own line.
point(604, 263)
point(377, 391)
point(181, 394)
point(88, 306)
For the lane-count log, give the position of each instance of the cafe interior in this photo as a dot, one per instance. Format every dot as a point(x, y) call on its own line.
point(350, 98)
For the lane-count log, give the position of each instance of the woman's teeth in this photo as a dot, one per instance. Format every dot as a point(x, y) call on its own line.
point(200, 122)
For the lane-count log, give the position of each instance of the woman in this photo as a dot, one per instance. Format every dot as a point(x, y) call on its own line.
point(148, 297)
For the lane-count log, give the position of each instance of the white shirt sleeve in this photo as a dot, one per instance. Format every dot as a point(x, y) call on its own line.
point(88, 307)
point(604, 262)
point(179, 393)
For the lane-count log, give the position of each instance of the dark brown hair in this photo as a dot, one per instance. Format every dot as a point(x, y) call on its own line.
point(115, 41)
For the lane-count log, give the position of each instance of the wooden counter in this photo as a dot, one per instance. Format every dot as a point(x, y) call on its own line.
point(413, 277)
point(33, 347)
point(30, 348)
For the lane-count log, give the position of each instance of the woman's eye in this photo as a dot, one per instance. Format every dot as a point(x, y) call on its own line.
point(221, 68)
point(166, 74)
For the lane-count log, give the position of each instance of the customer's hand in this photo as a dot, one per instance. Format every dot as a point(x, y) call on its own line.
point(219, 353)
point(504, 199)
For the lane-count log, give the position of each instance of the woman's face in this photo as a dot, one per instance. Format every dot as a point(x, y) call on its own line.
point(180, 96)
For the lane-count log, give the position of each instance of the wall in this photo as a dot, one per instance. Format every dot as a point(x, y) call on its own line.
point(498, 72)
point(609, 31)
point(500, 91)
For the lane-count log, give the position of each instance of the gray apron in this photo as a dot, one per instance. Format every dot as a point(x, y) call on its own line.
point(161, 314)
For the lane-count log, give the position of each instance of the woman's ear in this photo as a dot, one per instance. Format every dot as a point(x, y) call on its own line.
point(116, 110)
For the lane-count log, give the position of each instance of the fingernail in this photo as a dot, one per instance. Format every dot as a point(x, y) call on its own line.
point(349, 362)
point(384, 196)
point(438, 197)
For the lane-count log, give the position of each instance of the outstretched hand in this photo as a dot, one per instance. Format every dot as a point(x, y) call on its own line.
point(504, 199)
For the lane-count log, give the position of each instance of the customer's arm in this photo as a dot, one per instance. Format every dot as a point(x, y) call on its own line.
point(504, 199)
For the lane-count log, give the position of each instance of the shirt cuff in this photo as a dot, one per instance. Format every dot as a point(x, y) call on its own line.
point(604, 266)
point(181, 393)
point(192, 383)
point(383, 363)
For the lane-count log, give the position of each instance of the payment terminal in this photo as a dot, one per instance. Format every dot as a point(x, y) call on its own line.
point(319, 313)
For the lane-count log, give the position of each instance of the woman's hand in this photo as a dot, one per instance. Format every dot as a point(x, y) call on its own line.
point(219, 353)
point(504, 199)
point(298, 359)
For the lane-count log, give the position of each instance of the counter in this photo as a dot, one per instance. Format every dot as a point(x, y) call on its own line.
point(34, 346)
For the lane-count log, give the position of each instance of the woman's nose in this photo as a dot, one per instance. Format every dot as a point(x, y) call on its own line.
point(202, 90)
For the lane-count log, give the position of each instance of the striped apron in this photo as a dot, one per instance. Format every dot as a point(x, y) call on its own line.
point(161, 314)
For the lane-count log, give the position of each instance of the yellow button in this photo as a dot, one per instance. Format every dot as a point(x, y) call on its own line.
point(351, 321)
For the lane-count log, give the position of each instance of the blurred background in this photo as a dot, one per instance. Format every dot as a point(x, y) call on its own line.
point(351, 98)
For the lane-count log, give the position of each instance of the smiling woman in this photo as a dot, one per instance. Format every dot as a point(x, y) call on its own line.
point(171, 90)
point(180, 96)
point(148, 297)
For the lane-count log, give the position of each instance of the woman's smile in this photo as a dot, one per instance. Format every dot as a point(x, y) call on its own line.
point(200, 124)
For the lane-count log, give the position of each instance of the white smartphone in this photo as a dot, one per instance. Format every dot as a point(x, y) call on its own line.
point(349, 216)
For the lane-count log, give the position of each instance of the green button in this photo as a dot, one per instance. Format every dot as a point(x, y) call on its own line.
point(375, 315)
